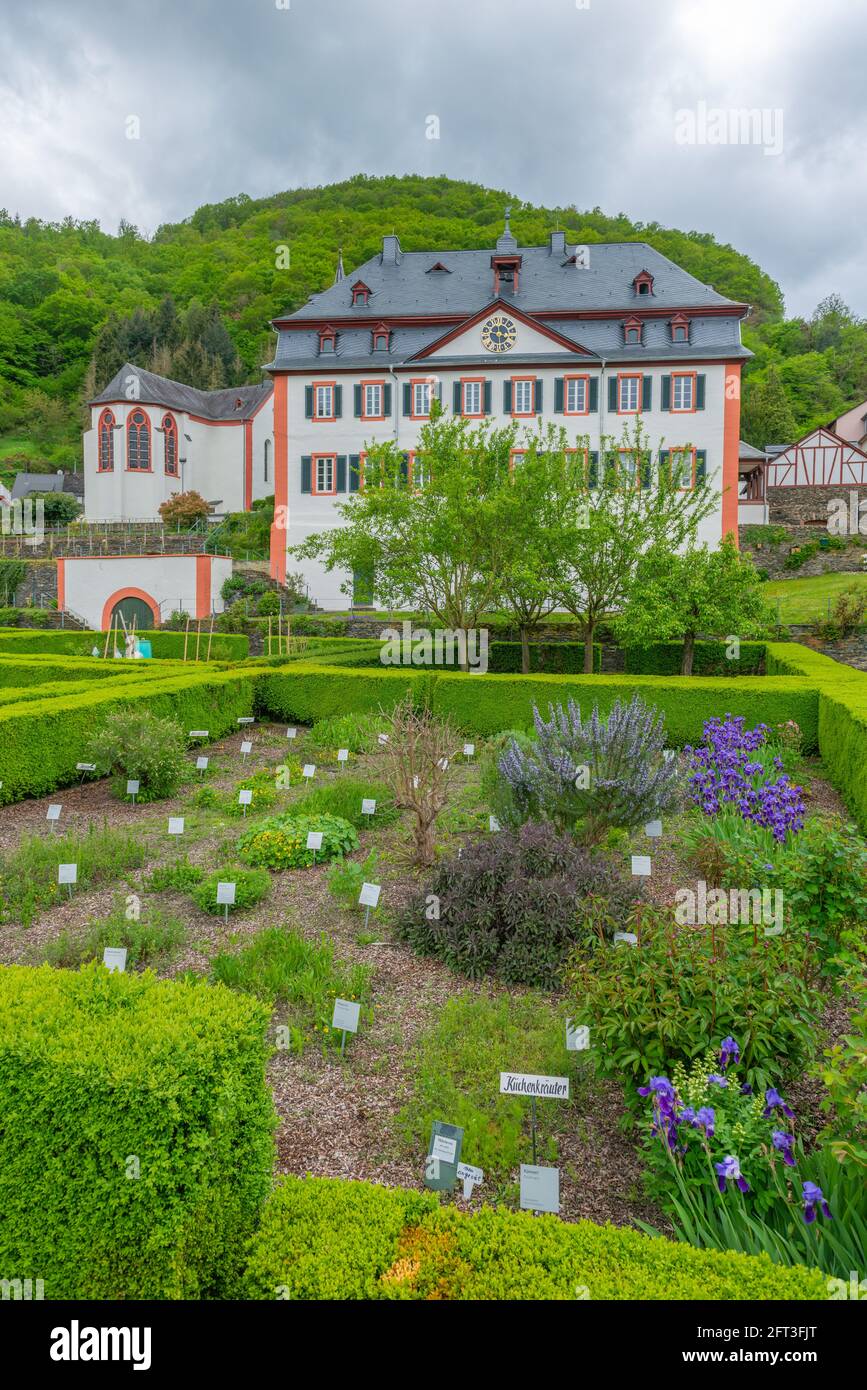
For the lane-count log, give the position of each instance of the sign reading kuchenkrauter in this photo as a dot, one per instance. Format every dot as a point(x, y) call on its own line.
point(516, 1083)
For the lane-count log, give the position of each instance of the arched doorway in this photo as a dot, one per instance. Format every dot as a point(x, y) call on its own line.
point(134, 612)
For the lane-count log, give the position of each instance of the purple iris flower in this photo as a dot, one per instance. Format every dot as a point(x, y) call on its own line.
point(729, 1052)
point(813, 1198)
point(716, 1080)
point(705, 1119)
point(658, 1086)
point(730, 1168)
point(785, 1143)
point(746, 1089)
point(773, 1099)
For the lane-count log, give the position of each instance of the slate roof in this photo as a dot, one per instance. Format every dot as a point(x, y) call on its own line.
point(747, 451)
point(230, 403)
point(547, 280)
point(26, 483)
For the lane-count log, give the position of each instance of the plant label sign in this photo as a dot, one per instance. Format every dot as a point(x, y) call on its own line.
point(85, 767)
point(314, 839)
point(201, 764)
point(443, 1156)
point(346, 1015)
point(67, 873)
point(469, 750)
point(540, 1188)
point(245, 798)
point(309, 770)
point(668, 754)
point(470, 1177)
point(246, 719)
point(653, 828)
point(132, 786)
point(343, 755)
point(53, 812)
point(515, 1083)
point(176, 825)
point(114, 958)
point(226, 894)
point(369, 895)
point(493, 824)
point(246, 747)
point(198, 733)
point(368, 806)
point(628, 936)
point(291, 733)
point(641, 866)
point(577, 1036)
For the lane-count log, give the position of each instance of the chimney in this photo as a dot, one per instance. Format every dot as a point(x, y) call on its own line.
point(391, 252)
point(557, 244)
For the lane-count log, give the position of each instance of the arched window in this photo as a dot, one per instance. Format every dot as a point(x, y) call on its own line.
point(170, 434)
point(105, 442)
point(138, 442)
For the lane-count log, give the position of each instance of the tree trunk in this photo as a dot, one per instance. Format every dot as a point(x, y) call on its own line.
point(589, 632)
point(688, 654)
point(525, 652)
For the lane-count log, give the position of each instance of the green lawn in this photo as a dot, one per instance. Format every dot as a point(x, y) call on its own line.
point(806, 600)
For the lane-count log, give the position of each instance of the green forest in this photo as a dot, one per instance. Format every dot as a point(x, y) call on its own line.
point(194, 301)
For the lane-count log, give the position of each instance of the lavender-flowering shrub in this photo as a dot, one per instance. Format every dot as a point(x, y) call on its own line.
point(734, 769)
point(515, 904)
point(595, 775)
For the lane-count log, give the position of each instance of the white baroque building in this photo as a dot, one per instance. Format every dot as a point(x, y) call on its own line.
point(586, 338)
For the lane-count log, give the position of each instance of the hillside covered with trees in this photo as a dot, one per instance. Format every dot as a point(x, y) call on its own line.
point(195, 300)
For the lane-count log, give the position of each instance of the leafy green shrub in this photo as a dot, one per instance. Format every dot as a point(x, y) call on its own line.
point(28, 875)
point(496, 792)
point(151, 940)
point(346, 876)
point(669, 999)
point(844, 1073)
point(251, 886)
point(454, 1072)
point(800, 555)
point(357, 732)
point(135, 743)
point(180, 876)
point(514, 904)
point(344, 797)
point(281, 967)
point(268, 605)
point(846, 616)
point(281, 841)
point(126, 1096)
point(325, 1238)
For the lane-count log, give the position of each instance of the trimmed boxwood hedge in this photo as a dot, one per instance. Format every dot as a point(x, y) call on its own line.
point(225, 646)
point(665, 658)
point(327, 1238)
point(38, 669)
point(137, 1138)
point(487, 704)
point(41, 741)
point(503, 657)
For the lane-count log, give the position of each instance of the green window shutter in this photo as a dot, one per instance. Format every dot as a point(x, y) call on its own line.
point(356, 392)
point(456, 397)
point(612, 393)
point(338, 402)
point(558, 395)
point(354, 472)
point(308, 402)
point(594, 393)
point(487, 398)
point(646, 392)
point(644, 471)
point(666, 393)
point(404, 466)
point(700, 465)
point(663, 461)
point(341, 472)
point(407, 398)
point(699, 392)
point(593, 469)
point(507, 397)
point(386, 400)
point(305, 472)
point(537, 397)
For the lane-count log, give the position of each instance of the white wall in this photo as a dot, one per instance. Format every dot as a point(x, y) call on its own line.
point(169, 580)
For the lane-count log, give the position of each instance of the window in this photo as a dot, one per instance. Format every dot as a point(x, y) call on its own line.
point(138, 442)
point(360, 294)
point(643, 282)
point(628, 395)
point(523, 395)
point(323, 402)
point(633, 332)
point(324, 475)
point(421, 399)
point(629, 475)
point(473, 396)
point(380, 338)
point(575, 395)
point(683, 391)
point(372, 401)
point(418, 470)
point(105, 442)
point(170, 436)
point(516, 456)
point(327, 340)
point(681, 463)
point(266, 462)
point(680, 329)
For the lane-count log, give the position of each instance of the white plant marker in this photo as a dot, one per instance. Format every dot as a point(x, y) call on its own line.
point(368, 898)
point(516, 1083)
point(470, 1177)
point(343, 755)
point(653, 828)
point(132, 787)
point(202, 764)
point(314, 841)
point(345, 1017)
point(291, 733)
point(114, 959)
point(226, 896)
point(245, 799)
point(68, 874)
point(246, 747)
point(641, 866)
point(469, 750)
point(52, 815)
point(83, 768)
point(628, 937)
point(198, 733)
point(493, 824)
point(309, 771)
point(246, 719)
point(540, 1188)
point(368, 806)
point(176, 825)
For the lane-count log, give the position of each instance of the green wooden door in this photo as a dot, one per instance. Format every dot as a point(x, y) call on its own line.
point(135, 613)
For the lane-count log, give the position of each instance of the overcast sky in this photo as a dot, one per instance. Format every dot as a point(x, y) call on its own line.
point(559, 102)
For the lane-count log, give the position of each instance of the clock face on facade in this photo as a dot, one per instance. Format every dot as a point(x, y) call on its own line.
point(499, 334)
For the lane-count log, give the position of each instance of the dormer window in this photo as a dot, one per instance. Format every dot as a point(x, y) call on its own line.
point(439, 268)
point(360, 294)
point(643, 282)
point(506, 269)
point(327, 340)
point(632, 330)
point(381, 335)
point(680, 329)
